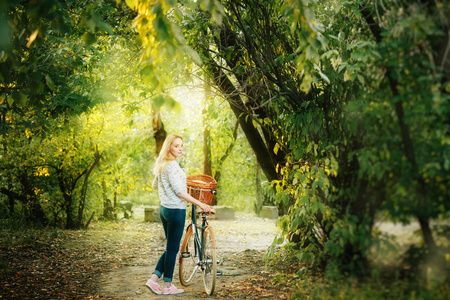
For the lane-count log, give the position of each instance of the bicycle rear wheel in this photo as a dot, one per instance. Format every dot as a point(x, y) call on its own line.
point(188, 263)
point(209, 260)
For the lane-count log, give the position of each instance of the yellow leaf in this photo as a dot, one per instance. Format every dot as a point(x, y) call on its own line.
point(276, 148)
point(32, 38)
point(131, 3)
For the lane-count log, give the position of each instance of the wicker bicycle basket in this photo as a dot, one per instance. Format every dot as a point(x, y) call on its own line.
point(200, 187)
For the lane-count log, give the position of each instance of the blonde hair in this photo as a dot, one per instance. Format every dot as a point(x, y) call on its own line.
point(165, 156)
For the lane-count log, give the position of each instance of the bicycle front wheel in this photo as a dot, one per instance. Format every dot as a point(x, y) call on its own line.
point(189, 258)
point(209, 260)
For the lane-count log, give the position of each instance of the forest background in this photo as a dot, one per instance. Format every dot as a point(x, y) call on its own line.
point(342, 105)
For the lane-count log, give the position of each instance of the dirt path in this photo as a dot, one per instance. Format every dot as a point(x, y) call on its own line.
point(114, 260)
point(241, 244)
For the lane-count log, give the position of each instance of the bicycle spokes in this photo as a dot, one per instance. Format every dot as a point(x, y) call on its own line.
point(209, 261)
point(189, 259)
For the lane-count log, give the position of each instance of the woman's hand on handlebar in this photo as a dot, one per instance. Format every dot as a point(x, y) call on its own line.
point(185, 196)
point(206, 208)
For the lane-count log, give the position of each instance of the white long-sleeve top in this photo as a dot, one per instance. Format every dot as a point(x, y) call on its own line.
point(169, 183)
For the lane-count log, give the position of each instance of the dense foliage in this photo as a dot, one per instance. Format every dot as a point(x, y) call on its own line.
point(55, 60)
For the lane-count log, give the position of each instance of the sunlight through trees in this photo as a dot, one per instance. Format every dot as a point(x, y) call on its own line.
point(343, 105)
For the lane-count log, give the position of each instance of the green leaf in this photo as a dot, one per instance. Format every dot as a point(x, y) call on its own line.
point(299, 153)
point(49, 82)
point(321, 207)
point(305, 86)
point(178, 14)
point(149, 76)
point(89, 38)
point(360, 78)
point(315, 207)
point(10, 100)
point(162, 31)
point(217, 16)
point(158, 101)
point(156, 8)
point(20, 98)
point(192, 53)
point(173, 104)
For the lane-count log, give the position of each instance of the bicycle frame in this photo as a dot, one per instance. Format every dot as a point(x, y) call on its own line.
point(198, 242)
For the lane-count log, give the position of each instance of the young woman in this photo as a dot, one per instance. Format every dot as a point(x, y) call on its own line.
point(170, 181)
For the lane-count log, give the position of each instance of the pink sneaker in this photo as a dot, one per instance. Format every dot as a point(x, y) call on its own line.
point(172, 290)
point(153, 286)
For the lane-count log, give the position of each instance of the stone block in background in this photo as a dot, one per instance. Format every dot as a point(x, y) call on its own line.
point(269, 212)
point(224, 213)
point(151, 214)
point(126, 208)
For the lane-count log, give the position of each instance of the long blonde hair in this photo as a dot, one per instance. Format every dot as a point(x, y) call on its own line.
point(165, 156)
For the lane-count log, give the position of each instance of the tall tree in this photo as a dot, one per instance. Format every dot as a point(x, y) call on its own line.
point(207, 160)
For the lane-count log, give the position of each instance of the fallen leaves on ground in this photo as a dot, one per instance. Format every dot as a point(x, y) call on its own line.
point(262, 283)
point(38, 266)
point(46, 264)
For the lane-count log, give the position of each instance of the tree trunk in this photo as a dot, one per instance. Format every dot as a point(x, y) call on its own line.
point(426, 232)
point(8, 176)
point(89, 221)
point(68, 206)
point(11, 199)
point(207, 168)
point(67, 184)
point(81, 205)
point(67, 195)
point(259, 196)
point(408, 146)
point(34, 210)
point(116, 204)
point(218, 172)
point(159, 133)
point(251, 132)
point(107, 206)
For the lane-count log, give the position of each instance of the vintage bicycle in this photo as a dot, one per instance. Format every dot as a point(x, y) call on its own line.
point(198, 250)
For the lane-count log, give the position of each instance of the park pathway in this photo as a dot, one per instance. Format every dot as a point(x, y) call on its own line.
point(241, 244)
